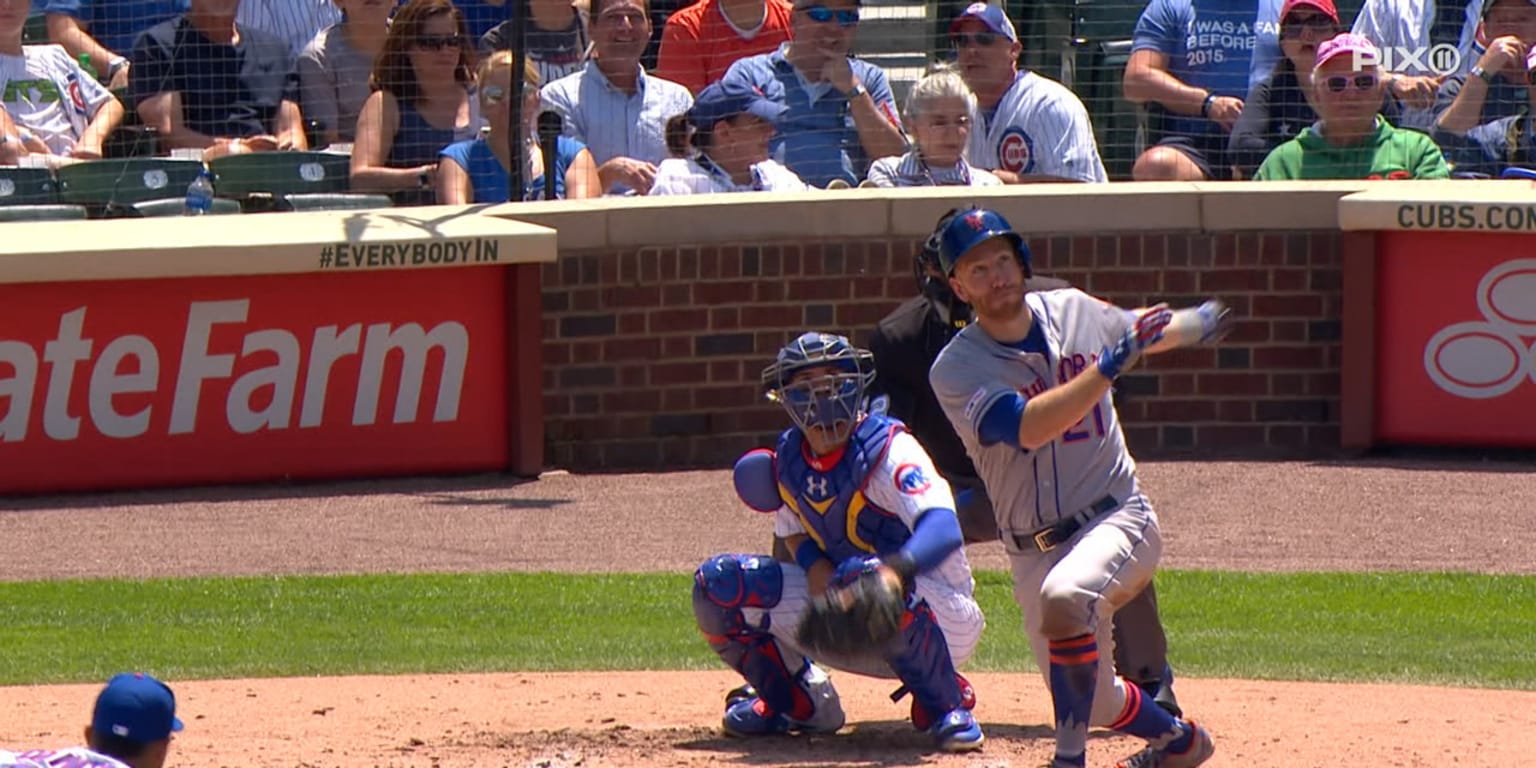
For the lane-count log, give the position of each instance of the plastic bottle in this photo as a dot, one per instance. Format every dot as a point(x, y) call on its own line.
point(199, 195)
point(85, 64)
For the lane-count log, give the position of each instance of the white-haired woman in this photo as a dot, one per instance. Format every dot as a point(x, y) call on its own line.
point(939, 111)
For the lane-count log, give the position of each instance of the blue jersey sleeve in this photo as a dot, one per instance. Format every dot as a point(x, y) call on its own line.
point(1161, 26)
point(1000, 423)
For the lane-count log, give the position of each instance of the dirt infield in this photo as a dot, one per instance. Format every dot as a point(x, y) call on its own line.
point(1367, 515)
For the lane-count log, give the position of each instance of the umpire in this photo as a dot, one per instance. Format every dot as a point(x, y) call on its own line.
point(905, 344)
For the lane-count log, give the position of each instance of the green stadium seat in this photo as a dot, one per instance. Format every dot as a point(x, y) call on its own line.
point(334, 202)
point(174, 206)
point(1102, 33)
point(125, 182)
point(280, 173)
point(35, 30)
point(27, 186)
point(41, 212)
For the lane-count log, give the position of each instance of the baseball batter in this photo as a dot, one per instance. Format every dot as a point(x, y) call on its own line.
point(850, 491)
point(1028, 125)
point(1027, 387)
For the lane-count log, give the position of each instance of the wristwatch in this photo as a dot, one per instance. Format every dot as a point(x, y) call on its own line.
point(115, 67)
point(424, 180)
point(1483, 74)
point(858, 90)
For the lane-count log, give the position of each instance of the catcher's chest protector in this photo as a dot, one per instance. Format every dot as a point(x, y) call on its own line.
point(830, 502)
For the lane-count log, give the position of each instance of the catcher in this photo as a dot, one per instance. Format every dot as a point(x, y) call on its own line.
point(880, 585)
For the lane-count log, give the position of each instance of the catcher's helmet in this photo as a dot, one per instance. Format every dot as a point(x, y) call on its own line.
point(834, 401)
point(969, 228)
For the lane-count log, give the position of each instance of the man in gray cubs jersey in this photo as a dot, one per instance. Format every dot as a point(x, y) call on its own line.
point(1028, 125)
point(1027, 387)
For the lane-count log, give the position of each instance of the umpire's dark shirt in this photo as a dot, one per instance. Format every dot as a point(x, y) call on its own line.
point(905, 344)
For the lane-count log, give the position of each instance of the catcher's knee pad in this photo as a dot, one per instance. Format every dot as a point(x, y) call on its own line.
point(722, 587)
point(922, 661)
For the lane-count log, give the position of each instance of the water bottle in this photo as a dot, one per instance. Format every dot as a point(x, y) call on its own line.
point(199, 194)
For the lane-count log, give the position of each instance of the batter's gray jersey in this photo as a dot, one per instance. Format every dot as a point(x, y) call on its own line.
point(1033, 489)
point(1039, 127)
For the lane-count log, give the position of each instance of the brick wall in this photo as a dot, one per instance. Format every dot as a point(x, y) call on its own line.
point(652, 355)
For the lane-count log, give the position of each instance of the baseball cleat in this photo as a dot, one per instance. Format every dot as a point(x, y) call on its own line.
point(739, 693)
point(958, 732)
point(923, 721)
point(1200, 750)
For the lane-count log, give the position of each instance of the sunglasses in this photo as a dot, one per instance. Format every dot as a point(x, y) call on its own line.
point(822, 14)
point(1295, 27)
point(439, 42)
point(980, 39)
point(1340, 83)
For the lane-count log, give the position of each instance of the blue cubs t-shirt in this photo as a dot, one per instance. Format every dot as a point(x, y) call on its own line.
point(1209, 44)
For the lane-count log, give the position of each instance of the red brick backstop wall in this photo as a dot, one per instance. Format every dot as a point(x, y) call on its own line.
point(652, 355)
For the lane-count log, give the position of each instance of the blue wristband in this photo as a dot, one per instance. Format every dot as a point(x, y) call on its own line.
point(808, 554)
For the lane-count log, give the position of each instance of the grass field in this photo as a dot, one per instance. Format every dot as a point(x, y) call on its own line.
point(1440, 628)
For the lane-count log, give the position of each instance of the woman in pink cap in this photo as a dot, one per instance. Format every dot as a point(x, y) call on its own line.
point(1351, 140)
point(1278, 107)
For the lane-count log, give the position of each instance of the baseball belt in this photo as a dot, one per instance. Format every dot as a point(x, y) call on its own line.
point(1051, 536)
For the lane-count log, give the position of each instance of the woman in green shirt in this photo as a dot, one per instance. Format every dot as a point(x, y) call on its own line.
point(1351, 140)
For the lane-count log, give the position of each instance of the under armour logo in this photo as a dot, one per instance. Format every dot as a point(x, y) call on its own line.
point(816, 486)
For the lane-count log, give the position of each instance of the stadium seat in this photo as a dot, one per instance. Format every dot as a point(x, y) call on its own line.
point(27, 186)
point(101, 183)
point(41, 212)
point(333, 202)
point(35, 30)
point(175, 206)
point(1102, 32)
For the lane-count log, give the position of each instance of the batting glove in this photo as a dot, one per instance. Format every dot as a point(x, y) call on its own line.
point(1216, 321)
point(1146, 331)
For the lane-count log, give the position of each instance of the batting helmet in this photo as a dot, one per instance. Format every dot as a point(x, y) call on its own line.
point(969, 228)
point(834, 401)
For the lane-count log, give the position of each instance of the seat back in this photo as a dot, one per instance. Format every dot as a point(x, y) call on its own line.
point(127, 181)
point(280, 173)
point(176, 206)
point(334, 202)
point(27, 186)
point(35, 30)
point(41, 212)
point(1102, 35)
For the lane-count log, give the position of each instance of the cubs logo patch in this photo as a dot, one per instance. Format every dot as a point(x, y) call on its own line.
point(911, 480)
point(75, 96)
point(1016, 151)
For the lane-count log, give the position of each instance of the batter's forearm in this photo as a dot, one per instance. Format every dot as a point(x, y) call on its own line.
point(1054, 411)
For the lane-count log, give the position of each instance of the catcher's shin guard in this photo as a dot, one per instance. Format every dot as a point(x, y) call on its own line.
point(722, 587)
point(923, 663)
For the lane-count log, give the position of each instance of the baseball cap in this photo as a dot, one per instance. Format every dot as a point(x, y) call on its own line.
point(1325, 7)
point(1346, 44)
point(990, 15)
point(722, 100)
point(136, 707)
point(1489, 4)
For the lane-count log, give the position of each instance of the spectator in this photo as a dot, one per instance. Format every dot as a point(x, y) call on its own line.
point(203, 81)
point(49, 97)
point(334, 68)
point(721, 145)
point(1494, 87)
point(1351, 140)
point(1030, 125)
point(1190, 62)
point(841, 113)
point(422, 102)
point(700, 42)
point(131, 727)
point(939, 110)
point(1280, 106)
point(557, 37)
point(1508, 142)
point(106, 30)
point(295, 22)
point(11, 145)
point(477, 171)
point(613, 106)
point(480, 16)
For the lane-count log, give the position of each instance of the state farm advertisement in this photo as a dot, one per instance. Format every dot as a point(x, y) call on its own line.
point(212, 380)
point(1456, 339)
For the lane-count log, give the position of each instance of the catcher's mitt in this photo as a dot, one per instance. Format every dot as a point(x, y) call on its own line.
point(852, 619)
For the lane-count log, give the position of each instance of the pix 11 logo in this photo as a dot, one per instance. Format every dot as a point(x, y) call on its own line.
point(1442, 59)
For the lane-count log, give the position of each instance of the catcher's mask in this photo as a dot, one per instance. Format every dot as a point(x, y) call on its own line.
point(833, 400)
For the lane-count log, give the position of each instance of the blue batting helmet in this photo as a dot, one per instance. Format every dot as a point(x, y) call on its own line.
point(834, 401)
point(969, 228)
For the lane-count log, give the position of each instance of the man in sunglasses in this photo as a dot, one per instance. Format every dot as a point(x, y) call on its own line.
point(1029, 126)
point(1493, 147)
point(1494, 87)
point(841, 114)
point(1351, 140)
point(204, 81)
point(1190, 61)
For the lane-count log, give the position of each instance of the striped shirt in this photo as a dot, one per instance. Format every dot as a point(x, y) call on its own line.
point(909, 170)
point(296, 22)
point(613, 123)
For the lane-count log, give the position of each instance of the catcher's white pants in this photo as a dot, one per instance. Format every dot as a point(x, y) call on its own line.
point(956, 610)
point(1077, 587)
